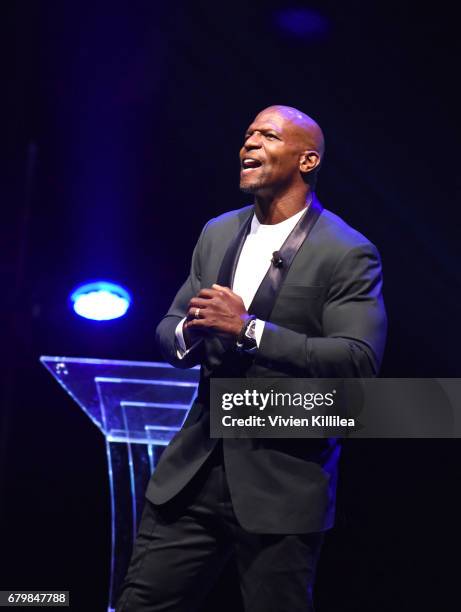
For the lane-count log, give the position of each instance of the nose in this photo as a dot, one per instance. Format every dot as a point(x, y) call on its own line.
point(253, 141)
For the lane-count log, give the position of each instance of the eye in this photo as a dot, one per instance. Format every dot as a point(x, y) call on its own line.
point(271, 136)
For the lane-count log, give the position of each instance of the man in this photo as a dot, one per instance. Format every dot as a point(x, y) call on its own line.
point(283, 288)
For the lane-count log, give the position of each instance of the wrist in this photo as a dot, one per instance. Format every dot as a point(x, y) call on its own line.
point(239, 324)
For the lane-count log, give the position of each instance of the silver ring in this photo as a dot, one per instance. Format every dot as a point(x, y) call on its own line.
point(197, 313)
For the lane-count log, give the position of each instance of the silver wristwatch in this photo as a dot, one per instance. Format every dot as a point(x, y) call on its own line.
point(247, 337)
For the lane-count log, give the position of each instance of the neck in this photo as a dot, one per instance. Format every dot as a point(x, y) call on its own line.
point(271, 210)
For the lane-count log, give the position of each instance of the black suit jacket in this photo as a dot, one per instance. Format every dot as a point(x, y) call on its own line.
point(325, 317)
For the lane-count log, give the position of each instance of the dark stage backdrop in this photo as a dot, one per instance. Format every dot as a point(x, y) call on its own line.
point(122, 123)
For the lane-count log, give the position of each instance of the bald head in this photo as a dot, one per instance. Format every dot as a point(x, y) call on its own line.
point(282, 152)
point(307, 130)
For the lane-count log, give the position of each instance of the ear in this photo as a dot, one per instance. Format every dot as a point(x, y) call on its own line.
point(309, 161)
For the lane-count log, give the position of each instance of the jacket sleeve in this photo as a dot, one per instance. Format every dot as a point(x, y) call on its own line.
point(353, 320)
point(165, 333)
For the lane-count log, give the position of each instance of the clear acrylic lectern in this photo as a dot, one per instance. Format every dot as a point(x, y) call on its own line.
point(138, 406)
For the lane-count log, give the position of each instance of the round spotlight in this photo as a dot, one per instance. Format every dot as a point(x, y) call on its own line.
point(100, 301)
point(301, 23)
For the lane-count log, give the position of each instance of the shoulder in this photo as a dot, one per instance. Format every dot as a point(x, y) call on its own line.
point(335, 234)
point(346, 254)
point(225, 225)
point(232, 219)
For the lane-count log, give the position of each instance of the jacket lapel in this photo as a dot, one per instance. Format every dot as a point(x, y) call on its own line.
point(218, 345)
point(230, 260)
point(264, 299)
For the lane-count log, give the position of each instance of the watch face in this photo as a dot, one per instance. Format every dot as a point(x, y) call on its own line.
point(247, 342)
point(250, 331)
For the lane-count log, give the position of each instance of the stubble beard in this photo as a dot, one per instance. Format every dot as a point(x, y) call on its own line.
point(252, 187)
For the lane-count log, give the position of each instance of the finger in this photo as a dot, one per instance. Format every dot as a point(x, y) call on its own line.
point(196, 329)
point(197, 302)
point(208, 293)
point(222, 289)
point(191, 314)
point(197, 324)
point(195, 312)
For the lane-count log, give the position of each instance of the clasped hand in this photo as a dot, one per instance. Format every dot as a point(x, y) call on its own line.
point(219, 310)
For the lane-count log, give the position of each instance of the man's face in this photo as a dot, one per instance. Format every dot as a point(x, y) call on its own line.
point(269, 157)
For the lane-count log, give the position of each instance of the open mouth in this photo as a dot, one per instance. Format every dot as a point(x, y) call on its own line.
point(249, 164)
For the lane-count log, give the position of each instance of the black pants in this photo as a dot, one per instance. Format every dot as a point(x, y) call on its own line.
point(183, 545)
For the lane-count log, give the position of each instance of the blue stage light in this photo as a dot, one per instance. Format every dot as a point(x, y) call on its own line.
point(100, 301)
point(302, 23)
